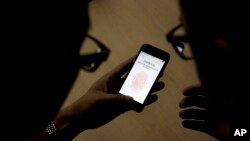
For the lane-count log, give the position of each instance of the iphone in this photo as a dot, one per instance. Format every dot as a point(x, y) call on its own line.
point(149, 63)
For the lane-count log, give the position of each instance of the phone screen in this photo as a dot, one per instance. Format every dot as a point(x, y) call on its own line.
point(142, 76)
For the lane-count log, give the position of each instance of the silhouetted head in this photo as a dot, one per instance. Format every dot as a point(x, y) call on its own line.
point(218, 31)
point(41, 51)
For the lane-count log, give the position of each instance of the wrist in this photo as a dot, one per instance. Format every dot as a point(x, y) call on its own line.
point(67, 125)
point(59, 129)
point(62, 120)
point(51, 128)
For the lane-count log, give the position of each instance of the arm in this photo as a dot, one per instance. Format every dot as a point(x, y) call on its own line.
point(100, 105)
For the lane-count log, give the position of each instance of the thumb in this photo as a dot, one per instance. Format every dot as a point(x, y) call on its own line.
point(120, 100)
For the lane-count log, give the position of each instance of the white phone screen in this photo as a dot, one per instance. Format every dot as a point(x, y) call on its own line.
point(142, 77)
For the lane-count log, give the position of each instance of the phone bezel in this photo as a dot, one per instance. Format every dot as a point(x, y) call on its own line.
point(156, 52)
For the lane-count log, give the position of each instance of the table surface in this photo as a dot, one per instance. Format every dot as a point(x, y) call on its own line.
point(123, 26)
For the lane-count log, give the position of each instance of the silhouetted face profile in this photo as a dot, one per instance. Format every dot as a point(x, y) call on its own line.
point(42, 43)
point(218, 33)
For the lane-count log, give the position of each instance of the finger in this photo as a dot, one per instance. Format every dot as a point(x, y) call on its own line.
point(118, 101)
point(114, 84)
point(123, 68)
point(150, 99)
point(158, 86)
point(161, 74)
point(193, 114)
point(137, 107)
point(118, 98)
point(195, 125)
point(195, 90)
point(197, 101)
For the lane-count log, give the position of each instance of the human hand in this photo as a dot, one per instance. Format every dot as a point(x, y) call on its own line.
point(202, 114)
point(102, 103)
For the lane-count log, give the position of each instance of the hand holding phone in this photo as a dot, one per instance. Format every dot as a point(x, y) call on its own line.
point(149, 63)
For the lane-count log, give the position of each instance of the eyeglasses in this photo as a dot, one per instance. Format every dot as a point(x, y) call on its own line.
point(91, 61)
point(178, 41)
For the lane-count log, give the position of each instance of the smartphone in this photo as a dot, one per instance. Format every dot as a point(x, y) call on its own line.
point(149, 63)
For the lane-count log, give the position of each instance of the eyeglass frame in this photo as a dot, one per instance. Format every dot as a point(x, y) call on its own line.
point(177, 42)
point(90, 62)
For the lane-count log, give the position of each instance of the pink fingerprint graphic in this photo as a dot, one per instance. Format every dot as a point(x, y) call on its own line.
point(139, 81)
